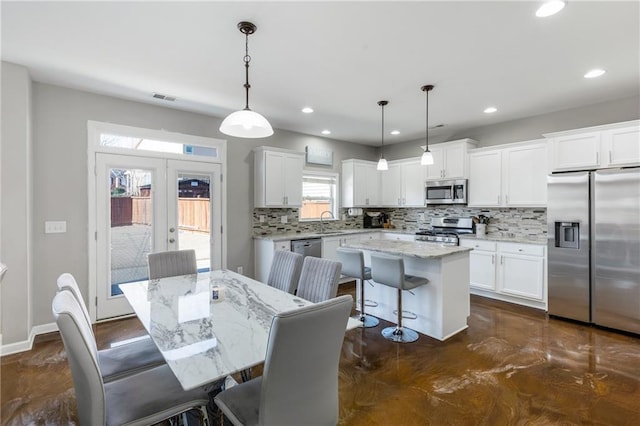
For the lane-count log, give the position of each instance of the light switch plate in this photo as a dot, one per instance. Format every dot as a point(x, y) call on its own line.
point(55, 227)
point(283, 219)
point(262, 218)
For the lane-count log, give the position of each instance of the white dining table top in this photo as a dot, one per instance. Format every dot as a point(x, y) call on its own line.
point(202, 339)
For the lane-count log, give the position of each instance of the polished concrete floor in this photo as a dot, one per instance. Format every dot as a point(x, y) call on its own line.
point(513, 365)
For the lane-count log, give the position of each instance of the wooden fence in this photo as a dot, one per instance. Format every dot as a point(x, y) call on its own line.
point(193, 213)
point(311, 209)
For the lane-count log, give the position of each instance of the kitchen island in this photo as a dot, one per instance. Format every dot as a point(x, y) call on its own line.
point(441, 307)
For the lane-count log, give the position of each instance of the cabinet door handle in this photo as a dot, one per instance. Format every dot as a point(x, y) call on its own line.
point(493, 259)
point(501, 259)
point(597, 158)
point(506, 199)
point(404, 201)
point(399, 202)
point(519, 249)
point(498, 198)
point(609, 157)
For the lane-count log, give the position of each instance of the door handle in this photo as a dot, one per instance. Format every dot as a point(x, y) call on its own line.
point(172, 240)
point(172, 229)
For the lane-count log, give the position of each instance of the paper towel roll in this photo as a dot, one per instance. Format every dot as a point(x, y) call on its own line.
point(355, 211)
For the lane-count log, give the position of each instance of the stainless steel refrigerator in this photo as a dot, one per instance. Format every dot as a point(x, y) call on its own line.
point(594, 247)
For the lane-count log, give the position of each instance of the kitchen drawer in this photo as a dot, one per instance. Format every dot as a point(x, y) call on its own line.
point(282, 245)
point(528, 249)
point(478, 245)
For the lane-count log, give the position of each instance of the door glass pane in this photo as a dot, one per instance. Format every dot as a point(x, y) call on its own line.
point(131, 226)
point(194, 216)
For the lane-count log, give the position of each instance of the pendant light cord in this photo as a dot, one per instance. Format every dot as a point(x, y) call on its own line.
point(382, 104)
point(247, 59)
point(427, 88)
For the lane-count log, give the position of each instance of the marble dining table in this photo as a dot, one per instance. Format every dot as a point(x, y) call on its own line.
point(211, 324)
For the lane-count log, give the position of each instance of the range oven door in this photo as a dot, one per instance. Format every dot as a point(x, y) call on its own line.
point(446, 192)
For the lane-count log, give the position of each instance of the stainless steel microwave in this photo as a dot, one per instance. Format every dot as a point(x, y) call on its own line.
point(446, 192)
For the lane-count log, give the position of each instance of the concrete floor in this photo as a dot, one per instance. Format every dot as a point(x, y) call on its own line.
point(512, 366)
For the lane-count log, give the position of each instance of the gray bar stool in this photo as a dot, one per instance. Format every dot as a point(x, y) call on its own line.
point(389, 271)
point(353, 266)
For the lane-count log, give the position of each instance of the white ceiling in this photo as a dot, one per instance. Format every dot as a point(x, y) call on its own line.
point(338, 57)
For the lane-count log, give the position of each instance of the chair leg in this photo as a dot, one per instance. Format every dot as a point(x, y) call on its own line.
point(399, 333)
point(366, 320)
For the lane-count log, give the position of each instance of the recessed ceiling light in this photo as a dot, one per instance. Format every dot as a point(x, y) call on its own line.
point(395, 132)
point(550, 8)
point(594, 73)
point(326, 132)
point(490, 110)
point(307, 110)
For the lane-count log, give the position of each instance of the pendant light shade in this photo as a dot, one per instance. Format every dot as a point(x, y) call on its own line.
point(427, 157)
point(246, 123)
point(382, 162)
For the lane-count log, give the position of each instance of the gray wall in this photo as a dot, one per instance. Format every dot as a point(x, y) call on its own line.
point(16, 199)
point(60, 171)
point(533, 127)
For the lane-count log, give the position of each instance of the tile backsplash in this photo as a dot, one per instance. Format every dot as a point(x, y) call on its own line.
point(518, 221)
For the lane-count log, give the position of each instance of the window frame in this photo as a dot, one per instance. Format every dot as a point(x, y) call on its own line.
point(336, 201)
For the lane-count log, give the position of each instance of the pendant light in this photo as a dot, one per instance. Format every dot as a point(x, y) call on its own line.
point(246, 123)
point(427, 157)
point(382, 162)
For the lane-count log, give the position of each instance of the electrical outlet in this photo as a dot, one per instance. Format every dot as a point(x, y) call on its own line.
point(283, 219)
point(262, 218)
point(240, 270)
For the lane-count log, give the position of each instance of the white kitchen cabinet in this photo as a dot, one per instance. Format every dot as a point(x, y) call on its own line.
point(511, 272)
point(360, 184)
point(450, 160)
point(331, 244)
point(610, 145)
point(621, 147)
point(485, 179)
point(524, 175)
point(521, 270)
point(482, 264)
point(513, 175)
point(278, 177)
point(403, 184)
point(263, 252)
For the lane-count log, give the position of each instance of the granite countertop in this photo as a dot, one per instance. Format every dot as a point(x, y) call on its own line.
point(420, 249)
point(330, 233)
point(508, 237)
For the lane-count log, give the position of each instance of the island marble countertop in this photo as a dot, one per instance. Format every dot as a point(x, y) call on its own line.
point(331, 233)
point(420, 249)
point(508, 237)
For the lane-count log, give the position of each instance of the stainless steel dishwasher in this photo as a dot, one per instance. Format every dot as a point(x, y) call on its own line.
point(308, 247)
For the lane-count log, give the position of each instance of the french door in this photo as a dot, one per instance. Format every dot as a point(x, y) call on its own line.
point(146, 205)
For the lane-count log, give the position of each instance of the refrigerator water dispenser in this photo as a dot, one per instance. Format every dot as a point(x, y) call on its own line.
point(568, 235)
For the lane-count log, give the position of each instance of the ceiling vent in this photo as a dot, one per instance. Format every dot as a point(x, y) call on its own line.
point(164, 97)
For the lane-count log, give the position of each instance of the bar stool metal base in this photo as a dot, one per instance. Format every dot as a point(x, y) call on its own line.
point(400, 334)
point(368, 321)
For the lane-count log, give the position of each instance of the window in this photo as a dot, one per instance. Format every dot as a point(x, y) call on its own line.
point(142, 144)
point(319, 194)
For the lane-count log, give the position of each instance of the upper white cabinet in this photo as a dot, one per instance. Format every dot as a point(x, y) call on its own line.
point(278, 177)
point(360, 184)
point(611, 145)
point(513, 175)
point(403, 184)
point(450, 160)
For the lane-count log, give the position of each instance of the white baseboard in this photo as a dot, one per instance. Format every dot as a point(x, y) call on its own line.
point(26, 345)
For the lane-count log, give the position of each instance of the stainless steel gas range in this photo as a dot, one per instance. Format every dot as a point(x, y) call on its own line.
point(445, 230)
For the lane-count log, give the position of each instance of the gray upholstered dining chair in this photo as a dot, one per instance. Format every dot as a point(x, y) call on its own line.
point(299, 383)
point(145, 398)
point(389, 270)
point(353, 266)
point(318, 279)
point(172, 264)
point(121, 360)
point(285, 270)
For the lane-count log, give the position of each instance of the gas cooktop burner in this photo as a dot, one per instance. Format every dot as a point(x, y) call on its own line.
point(445, 230)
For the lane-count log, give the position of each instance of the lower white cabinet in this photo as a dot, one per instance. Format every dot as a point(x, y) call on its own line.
point(512, 272)
point(331, 244)
point(264, 250)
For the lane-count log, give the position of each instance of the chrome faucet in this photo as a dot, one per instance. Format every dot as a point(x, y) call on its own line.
point(322, 220)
